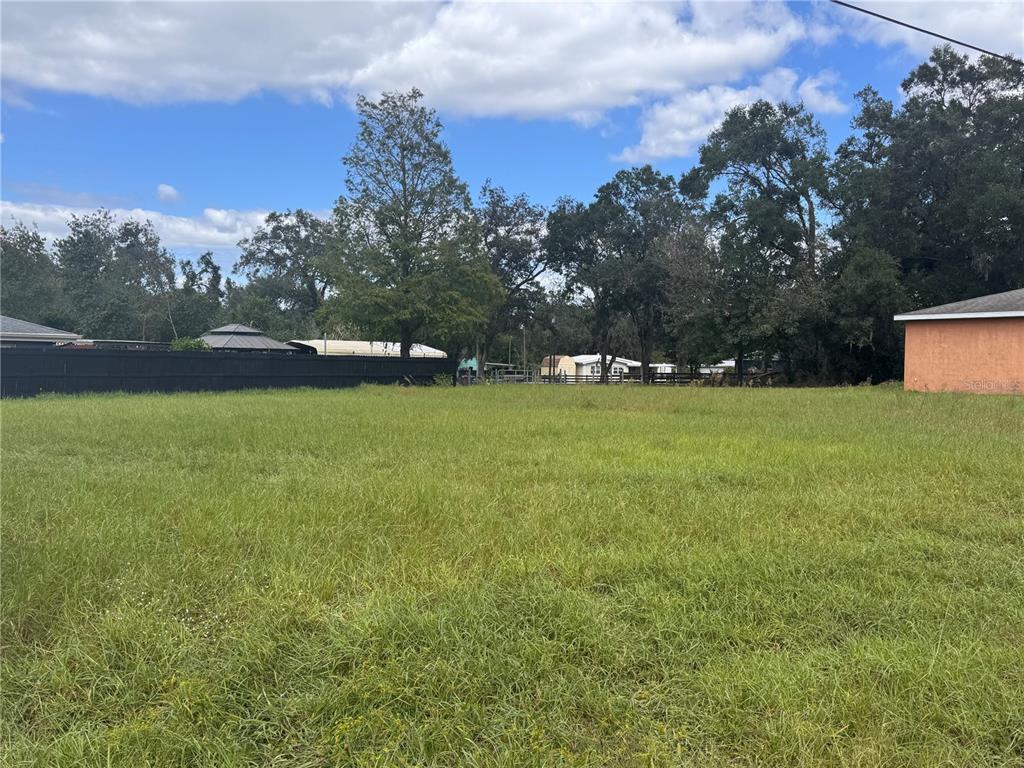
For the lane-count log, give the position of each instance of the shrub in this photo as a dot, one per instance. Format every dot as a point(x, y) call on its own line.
point(187, 344)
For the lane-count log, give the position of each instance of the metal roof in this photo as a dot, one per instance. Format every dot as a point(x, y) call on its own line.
point(591, 359)
point(237, 328)
point(236, 336)
point(22, 330)
point(375, 348)
point(1008, 304)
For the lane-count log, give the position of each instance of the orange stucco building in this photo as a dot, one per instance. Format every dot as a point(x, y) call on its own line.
point(975, 345)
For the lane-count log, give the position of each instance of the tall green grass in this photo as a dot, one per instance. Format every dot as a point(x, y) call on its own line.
point(514, 576)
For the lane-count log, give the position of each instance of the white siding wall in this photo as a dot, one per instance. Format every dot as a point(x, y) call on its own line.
point(594, 370)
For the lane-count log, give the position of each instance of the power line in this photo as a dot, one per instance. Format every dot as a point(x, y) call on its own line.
point(927, 32)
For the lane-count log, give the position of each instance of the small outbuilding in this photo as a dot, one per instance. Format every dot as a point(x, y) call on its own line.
point(975, 345)
point(22, 333)
point(242, 338)
point(556, 367)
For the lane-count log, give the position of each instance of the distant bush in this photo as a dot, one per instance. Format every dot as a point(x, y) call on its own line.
point(442, 380)
point(189, 345)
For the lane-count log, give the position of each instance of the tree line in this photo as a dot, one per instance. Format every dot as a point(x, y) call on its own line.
point(771, 249)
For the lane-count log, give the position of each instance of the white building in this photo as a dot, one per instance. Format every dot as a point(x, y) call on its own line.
point(724, 366)
point(589, 366)
point(372, 348)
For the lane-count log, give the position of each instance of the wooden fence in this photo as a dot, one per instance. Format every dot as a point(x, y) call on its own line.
point(665, 379)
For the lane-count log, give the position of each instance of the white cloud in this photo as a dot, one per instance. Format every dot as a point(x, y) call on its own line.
point(167, 193)
point(997, 26)
point(579, 60)
point(51, 194)
point(214, 229)
point(527, 60)
point(682, 60)
point(564, 59)
point(158, 52)
point(822, 28)
point(817, 95)
point(677, 127)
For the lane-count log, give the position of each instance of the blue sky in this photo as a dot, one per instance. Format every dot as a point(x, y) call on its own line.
point(204, 116)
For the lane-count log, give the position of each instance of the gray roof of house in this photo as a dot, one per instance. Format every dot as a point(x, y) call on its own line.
point(1008, 304)
point(12, 327)
point(237, 328)
point(237, 336)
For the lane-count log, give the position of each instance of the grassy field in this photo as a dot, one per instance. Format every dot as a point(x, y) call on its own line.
point(510, 576)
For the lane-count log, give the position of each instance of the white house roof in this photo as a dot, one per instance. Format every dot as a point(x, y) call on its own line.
point(13, 329)
point(375, 348)
point(719, 366)
point(592, 359)
point(1007, 304)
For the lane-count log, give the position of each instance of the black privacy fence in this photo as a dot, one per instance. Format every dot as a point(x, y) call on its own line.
point(27, 372)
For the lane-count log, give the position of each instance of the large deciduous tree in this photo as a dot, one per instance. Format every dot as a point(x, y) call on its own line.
point(773, 161)
point(613, 257)
point(937, 182)
point(511, 230)
point(289, 251)
point(695, 297)
point(574, 245)
point(197, 301)
point(408, 260)
point(118, 278)
point(30, 284)
point(864, 292)
point(257, 303)
point(635, 213)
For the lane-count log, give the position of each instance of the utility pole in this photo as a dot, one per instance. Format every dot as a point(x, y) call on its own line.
point(551, 359)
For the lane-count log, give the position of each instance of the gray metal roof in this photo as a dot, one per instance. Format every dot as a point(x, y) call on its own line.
point(236, 336)
point(237, 328)
point(1008, 304)
point(13, 328)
